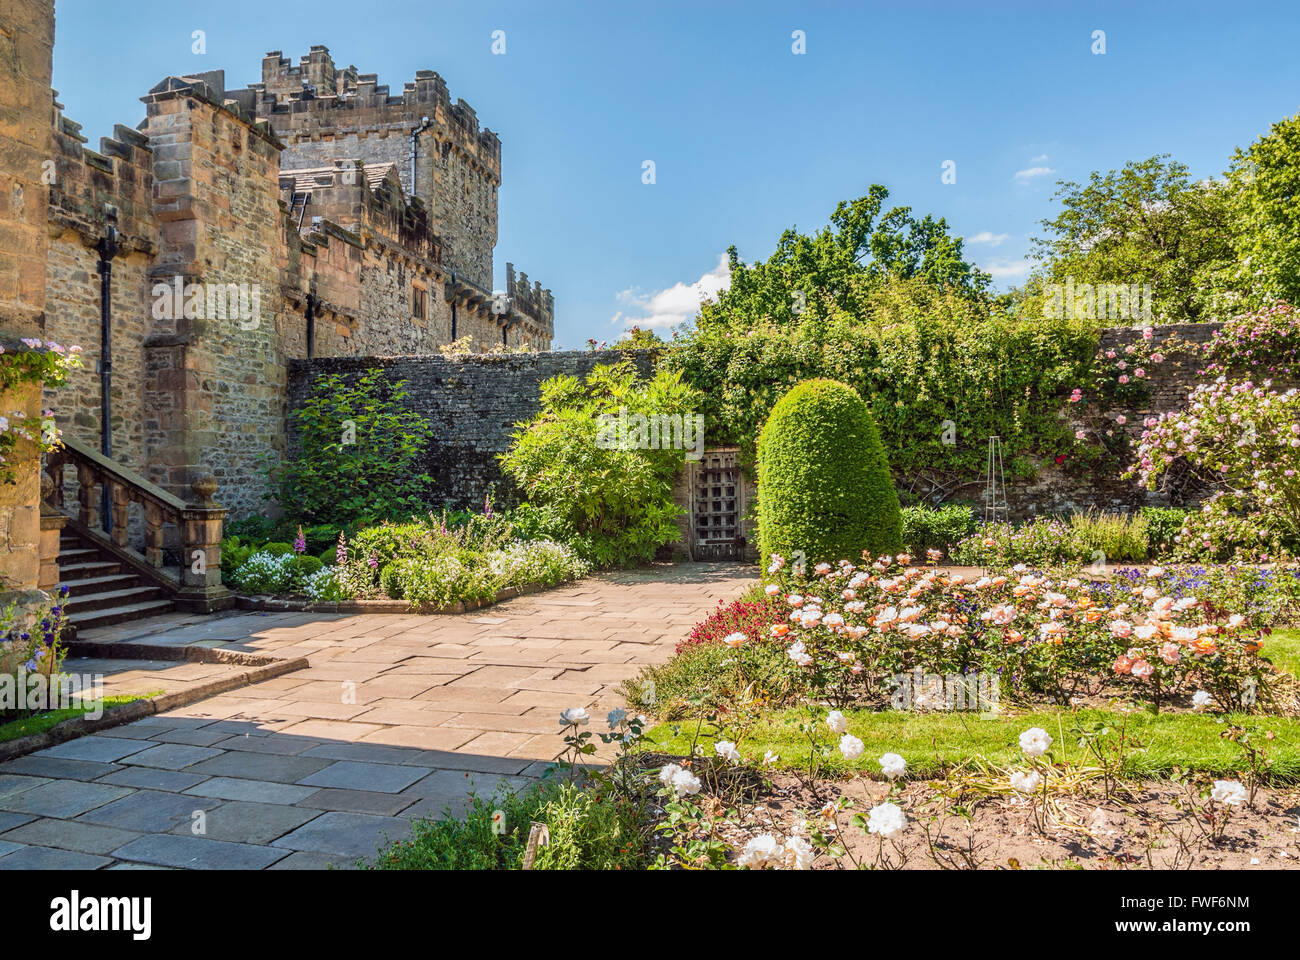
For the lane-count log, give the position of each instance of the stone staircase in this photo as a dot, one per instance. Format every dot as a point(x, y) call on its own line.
point(101, 589)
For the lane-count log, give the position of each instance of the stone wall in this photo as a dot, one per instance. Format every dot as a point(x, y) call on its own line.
point(26, 59)
point(1056, 491)
point(472, 402)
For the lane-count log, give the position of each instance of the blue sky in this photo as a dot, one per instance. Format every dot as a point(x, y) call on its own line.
point(747, 137)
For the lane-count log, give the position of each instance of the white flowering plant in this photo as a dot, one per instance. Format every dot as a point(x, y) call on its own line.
point(1243, 439)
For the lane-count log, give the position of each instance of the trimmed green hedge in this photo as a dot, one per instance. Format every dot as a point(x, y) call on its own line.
point(824, 486)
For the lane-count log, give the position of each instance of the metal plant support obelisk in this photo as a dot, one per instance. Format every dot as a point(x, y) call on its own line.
point(995, 485)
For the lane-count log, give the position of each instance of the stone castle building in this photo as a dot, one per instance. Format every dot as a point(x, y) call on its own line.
point(311, 214)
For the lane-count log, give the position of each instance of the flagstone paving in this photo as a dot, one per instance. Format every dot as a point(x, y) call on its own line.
point(398, 716)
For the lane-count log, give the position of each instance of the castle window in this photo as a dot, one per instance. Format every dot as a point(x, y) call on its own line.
point(419, 303)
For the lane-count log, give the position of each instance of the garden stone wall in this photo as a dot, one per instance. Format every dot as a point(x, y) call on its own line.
point(473, 403)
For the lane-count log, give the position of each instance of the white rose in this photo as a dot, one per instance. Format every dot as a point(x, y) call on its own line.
point(835, 720)
point(1228, 792)
point(892, 765)
point(574, 716)
point(685, 782)
point(887, 819)
point(759, 852)
point(727, 751)
point(1025, 782)
point(850, 746)
point(798, 854)
point(616, 717)
point(1201, 700)
point(1035, 741)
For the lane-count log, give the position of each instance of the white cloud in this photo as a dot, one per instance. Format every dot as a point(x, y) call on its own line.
point(985, 236)
point(1007, 269)
point(673, 305)
point(1024, 176)
point(1041, 158)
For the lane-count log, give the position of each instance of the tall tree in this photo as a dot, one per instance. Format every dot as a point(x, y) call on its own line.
point(812, 276)
point(1147, 223)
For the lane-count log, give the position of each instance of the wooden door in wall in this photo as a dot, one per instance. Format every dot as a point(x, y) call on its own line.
point(717, 504)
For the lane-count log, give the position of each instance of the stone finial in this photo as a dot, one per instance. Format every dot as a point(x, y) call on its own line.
point(204, 487)
point(47, 485)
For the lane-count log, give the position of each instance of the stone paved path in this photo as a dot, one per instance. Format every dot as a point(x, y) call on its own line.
point(398, 716)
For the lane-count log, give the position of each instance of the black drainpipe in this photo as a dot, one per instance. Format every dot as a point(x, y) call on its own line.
point(108, 248)
point(425, 124)
point(312, 303)
point(453, 306)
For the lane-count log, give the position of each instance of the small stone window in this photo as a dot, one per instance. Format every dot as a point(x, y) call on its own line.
point(419, 303)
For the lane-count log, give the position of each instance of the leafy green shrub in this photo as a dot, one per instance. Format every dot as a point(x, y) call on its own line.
point(255, 528)
point(1108, 537)
point(936, 528)
point(360, 452)
point(302, 566)
point(329, 556)
point(588, 831)
point(824, 486)
point(389, 581)
point(234, 553)
point(276, 549)
point(1163, 526)
point(703, 677)
point(1082, 538)
point(614, 496)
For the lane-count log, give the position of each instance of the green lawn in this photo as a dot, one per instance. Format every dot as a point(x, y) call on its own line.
point(932, 743)
point(1283, 648)
point(40, 722)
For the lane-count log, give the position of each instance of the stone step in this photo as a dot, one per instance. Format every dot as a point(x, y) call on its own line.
point(112, 598)
point(78, 554)
point(108, 616)
point(82, 571)
point(85, 585)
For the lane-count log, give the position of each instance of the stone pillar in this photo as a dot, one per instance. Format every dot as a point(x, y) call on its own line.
point(52, 522)
point(26, 57)
point(202, 522)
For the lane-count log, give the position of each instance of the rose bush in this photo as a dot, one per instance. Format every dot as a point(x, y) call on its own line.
point(849, 630)
point(1244, 441)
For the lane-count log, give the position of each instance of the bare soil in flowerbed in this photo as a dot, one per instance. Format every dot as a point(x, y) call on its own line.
point(1152, 825)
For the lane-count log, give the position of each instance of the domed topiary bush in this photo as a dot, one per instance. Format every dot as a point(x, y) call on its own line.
point(824, 486)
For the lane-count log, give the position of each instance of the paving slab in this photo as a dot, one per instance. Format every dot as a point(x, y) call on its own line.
point(355, 775)
point(245, 822)
point(197, 853)
point(258, 791)
point(70, 835)
point(171, 756)
point(260, 766)
point(346, 834)
point(62, 798)
point(102, 749)
point(153, 778)
point(358, 801)
point(149, 811)
point(57, 767)
point(50, 858)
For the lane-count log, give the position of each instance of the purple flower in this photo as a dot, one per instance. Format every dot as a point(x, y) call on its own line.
point(300, 542)
point(373, 561)
point(341, 551)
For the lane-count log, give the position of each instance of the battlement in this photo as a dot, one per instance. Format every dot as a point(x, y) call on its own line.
point(366, 199)
point(86, 183)
point(316, 100)
point(533, 302)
